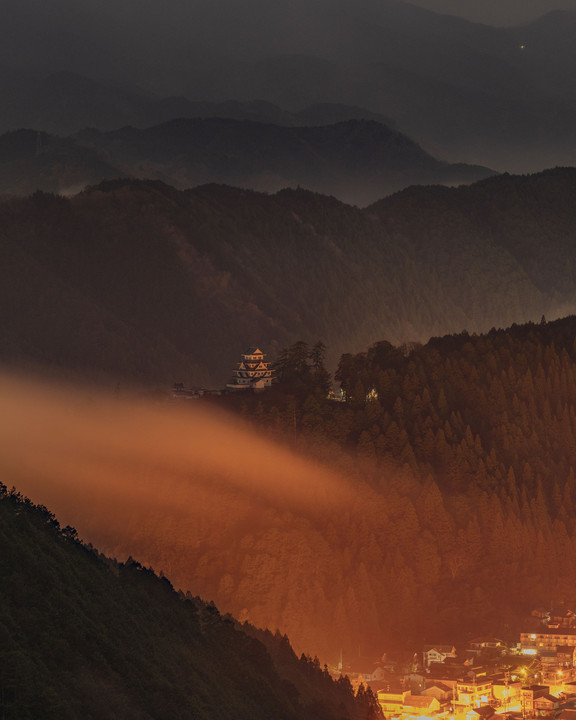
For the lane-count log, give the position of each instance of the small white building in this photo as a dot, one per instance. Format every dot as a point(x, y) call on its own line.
point(437, 654)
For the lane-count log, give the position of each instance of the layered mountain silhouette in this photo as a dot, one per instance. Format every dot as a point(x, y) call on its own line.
point(66, 102)
point(139, 280)
point(501, 97)
point(359, 161)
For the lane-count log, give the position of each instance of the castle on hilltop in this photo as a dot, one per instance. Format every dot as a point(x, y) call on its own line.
point(252, 372)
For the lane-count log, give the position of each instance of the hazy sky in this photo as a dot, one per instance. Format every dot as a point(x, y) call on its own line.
point(497, 12)
point(466, 93)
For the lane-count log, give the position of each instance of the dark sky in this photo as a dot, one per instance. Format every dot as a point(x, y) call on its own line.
point(497, 12)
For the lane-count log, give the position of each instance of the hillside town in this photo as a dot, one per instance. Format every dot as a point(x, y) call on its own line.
point(487, 679)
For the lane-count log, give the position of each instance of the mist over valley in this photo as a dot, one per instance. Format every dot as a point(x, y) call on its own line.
point(288, 359)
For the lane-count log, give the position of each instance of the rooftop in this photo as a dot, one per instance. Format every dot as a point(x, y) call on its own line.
point(439, 685)
point(419, 701)
point(486, 711)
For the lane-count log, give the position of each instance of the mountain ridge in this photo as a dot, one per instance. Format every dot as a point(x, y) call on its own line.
point(177, 283)
point(84, 635)
point(357, 160)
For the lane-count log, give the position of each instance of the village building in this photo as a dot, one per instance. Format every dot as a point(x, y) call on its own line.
point(562, 618)
point(253, 372)
point(506, 691)
point(370, 676)
point(566, 655)
point(403, 702)
point(446, 673)
point(416, 681)
point(421, 705)
point(530, 694)
point(486, 712)
point(392, 701)
point(479, 645)
point(548, 657)
point(473, 692)
point(533, 643)
point(448, 682)
point(373, 674)
point(437, 654)
point(454, 670)
point(546, 705)
point(442, 692)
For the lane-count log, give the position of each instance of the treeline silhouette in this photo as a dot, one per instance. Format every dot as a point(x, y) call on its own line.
point(85, 636)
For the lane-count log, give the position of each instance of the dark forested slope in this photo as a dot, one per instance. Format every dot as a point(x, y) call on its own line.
point(140, 280)
point(86, 637)
point(464, 455)
point(453, 515)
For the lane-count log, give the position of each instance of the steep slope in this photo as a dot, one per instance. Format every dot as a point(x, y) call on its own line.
point(529, 217)
point(139, 280)
point(444, 505)
point(195, 276)
point(84, 636)
point(468, 444)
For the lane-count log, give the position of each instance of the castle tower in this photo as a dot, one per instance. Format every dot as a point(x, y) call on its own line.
point(253, 372)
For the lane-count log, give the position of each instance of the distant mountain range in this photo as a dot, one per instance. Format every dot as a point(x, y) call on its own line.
point(65, 102)
point(359, 161)
point(501, 97)
point(137, 280)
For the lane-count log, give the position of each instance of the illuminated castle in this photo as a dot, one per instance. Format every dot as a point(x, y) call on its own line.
point(252, 372)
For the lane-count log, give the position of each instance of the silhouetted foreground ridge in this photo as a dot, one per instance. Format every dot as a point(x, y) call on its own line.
point(82, 636)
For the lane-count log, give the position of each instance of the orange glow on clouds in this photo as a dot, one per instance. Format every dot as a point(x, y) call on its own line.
point(153, 481)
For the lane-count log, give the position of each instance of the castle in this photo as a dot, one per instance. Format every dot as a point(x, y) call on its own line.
point(252, 372)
